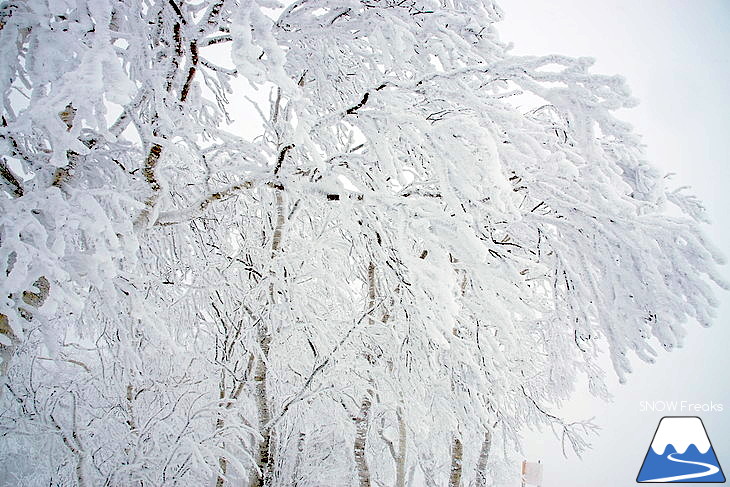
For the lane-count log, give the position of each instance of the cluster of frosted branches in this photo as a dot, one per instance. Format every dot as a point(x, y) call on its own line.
point(426, 245)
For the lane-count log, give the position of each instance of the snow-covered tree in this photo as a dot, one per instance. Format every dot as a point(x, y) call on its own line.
point(427, 243)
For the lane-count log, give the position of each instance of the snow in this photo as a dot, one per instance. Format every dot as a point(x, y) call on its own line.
point(680, 432)
point(397, 233)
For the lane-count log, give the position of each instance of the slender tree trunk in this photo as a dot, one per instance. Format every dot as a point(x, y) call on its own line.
point(371, 291)
point(264, 456)
point(276, 240)
point(220, 422)
point(226, 401)
point(300, 452)
point(74, 444)
point(263, 459)
point(361, 433)
point(457, 449)
point(363, 419)
point(132, 425)
point(483, 458)
point(222, 462)
point(223, 465)
point(400, 470)
point(457, 452)
point(80, 471)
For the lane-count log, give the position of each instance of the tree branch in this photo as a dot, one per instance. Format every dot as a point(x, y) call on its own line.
point(8, 176)
point(215, 40)
point(280, 159)
point(317, 370)
point(177, 10)
point(180, 216)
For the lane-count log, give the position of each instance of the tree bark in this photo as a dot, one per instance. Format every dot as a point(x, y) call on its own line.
point(400, 470)
point(222, 462)
point(481, 480)
point(223, 465)
point(363, 419)
point(457, 452)
point(263, 458)
point(298, 461)
point(225, 404)
point(32, 299)
point(361, 433)
point(371, 291)
point(276, 240)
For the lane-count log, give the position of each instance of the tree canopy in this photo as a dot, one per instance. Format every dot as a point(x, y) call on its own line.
point(426, 244)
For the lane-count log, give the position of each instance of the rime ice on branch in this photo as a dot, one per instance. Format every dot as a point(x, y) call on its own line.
point(430, 240)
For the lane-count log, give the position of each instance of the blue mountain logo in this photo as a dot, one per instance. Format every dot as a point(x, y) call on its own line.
point(681, 452)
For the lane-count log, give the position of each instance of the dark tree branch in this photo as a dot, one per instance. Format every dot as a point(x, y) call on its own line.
point(363, 101)
point(191, 72)
point(177, 10)
point(215, 40)
point(10, 178)
point(280, 159)
point(353, 110)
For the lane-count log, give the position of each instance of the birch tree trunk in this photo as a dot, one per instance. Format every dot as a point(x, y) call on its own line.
point(371, 291)
point(481, 480)
point(264, 456)
point(30, 298)
point(457, 452)
point(297, 463)
point(132, 224)
point(219, 423)
point(362, 420)
point(361, 433)
point(400, 470)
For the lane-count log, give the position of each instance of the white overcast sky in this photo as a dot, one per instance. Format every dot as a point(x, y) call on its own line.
point(675, 55)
